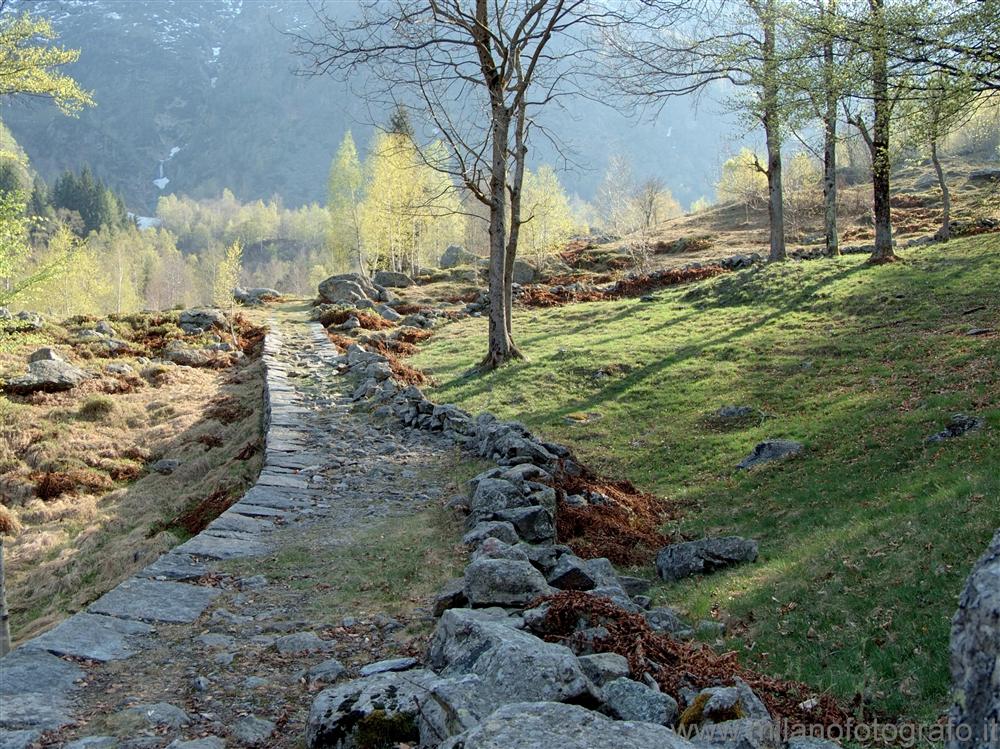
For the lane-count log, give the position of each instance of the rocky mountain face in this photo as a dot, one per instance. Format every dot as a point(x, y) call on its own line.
point(197, 96)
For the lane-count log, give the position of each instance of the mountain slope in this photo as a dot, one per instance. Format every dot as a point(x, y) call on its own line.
point(206, 92)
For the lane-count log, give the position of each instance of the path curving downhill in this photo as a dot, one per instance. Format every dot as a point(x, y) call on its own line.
point(223, 640)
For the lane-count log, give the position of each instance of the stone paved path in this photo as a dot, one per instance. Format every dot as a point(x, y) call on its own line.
point(203, 643)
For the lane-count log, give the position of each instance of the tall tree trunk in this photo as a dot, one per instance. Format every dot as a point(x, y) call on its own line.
point(775, 195)
point(772, 132)
point(881, 165)
point(944, 232)
point(830, 138)
point(501, 346)
point(517, 181)
point(4, 613)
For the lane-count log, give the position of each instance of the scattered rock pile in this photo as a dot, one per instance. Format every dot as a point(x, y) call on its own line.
point(490, 677)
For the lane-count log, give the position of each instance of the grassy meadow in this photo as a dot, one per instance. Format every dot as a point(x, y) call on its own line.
point(866, 538)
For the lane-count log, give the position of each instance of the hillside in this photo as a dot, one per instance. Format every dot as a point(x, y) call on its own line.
point(867, 536)
point(202, 95)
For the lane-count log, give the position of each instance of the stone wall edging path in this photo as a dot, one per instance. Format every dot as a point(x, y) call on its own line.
point(37, 682)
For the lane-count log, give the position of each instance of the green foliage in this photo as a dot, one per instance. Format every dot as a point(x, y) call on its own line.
point(281, 245)
point(803, 188)
point(742, 181)
point(871, 533)
point(344, 190)
point(97, 205)
point(545, 209)
point(410, 211)
point(30, 64)
point(14, 247)
point(227, 276)
point(700, 205)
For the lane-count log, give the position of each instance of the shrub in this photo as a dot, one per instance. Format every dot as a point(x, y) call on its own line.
point(96, 408)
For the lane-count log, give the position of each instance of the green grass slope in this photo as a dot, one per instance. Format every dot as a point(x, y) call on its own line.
point(866, 539)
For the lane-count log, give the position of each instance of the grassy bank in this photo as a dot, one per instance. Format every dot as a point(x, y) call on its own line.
point(866, 538)
point(75, 465)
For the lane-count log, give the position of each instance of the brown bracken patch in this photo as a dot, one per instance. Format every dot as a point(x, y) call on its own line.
point(403, 373)
point(52, 484)
point(413, 335)
point(626, 529)
point(197, 517)
point(227, 410)
point(540, 296)
point(368, 320)
point(677, 664)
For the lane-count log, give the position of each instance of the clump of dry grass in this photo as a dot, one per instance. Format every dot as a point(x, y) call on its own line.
point(9, 524)
point(96, 408)
point(73, 465)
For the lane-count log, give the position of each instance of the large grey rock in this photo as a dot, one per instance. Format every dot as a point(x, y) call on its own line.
point(490, 529)
point(706, 555)
point(155, 601)
point(255, 296)
point(384, 705)
point(44, 354)
point(601, 668)
point(301, 642)
point(161, 714)
point(975, 652)
point(629, 700)
point(201, 318)
point(770, 450)
point(392, 279)
point(493, 495)
point(18, 739)
point(251, 730)
point(722, 704)
point(181, 353)
point(958, 425)
point(549, 725)
point(47, 376)
point(351, 288)
point(90, 636)
point(523, 272)
point(513, 664)
point(743, 733)
point(573, 573)
point(503, 582)
point(451, 706)
point(534, 524)
point(455, 256)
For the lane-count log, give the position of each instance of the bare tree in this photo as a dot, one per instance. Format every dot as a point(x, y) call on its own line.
point(648, 197)
point(736, 41)
point(474, 74)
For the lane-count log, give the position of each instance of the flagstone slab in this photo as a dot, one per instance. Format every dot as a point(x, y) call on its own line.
point(285, 480)
point(156, 600)
point(174, 566)
point(91, 636)
point(234, 521)
point(34, 689)
point(225, 545)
